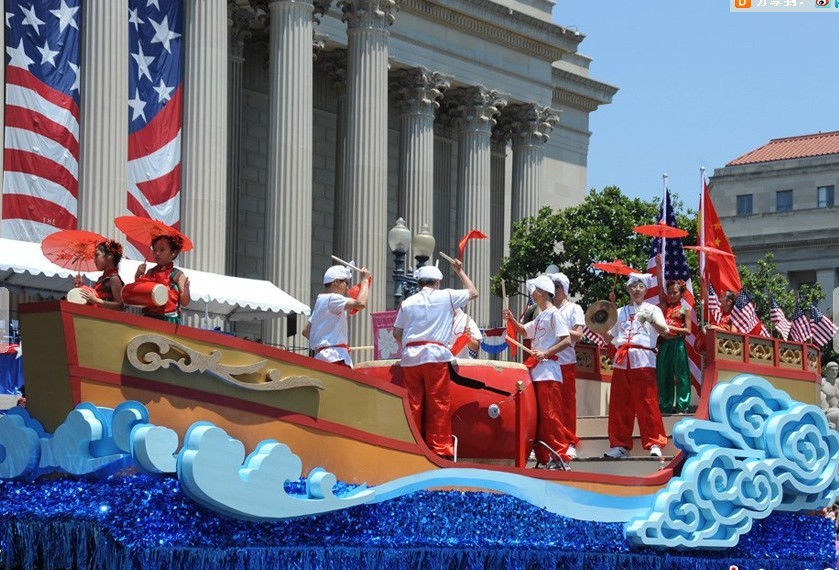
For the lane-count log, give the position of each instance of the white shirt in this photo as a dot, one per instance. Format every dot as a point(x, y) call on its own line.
point(462, 322)
point(628, 330)
point(329, 328)
point(572, 315)
point(546, 330)
point(428, 316)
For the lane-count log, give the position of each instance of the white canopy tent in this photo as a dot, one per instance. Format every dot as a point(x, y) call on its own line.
point(24, 267)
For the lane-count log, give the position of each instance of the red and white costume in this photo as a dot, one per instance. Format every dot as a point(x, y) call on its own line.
point(545, 331)
point(571, 314)
point(634, 392)
point(426, 319)
point(328, 333)
point(463, 323)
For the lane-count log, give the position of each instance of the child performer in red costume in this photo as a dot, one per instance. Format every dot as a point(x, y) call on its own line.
point(165, 249)
point(107, 291)
point(549, 335)
point(672, 358)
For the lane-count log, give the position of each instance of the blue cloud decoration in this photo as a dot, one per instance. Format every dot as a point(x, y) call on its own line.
point(758, 452)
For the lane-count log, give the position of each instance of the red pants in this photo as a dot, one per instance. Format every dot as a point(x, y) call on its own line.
point(428, 400)
point(634, 394)
point(549, 426)
point(569, 400)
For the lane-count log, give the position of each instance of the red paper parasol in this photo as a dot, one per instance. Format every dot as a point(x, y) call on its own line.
point(73, 249)
point(709, 250)
point(660, 230)
point(617, 267)
point(144, 231)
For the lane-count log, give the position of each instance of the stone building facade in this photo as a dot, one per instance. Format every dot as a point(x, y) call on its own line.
point(781, 198)
point(311, 125)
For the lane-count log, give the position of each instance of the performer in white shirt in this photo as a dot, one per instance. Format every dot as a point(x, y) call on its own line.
point(634, 392)
point(424, 327)
point(464, 324)
point(327, 326)
point(549, 336)
point(574, 318)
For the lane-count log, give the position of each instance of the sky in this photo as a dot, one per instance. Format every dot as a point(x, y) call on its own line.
point(699, 86)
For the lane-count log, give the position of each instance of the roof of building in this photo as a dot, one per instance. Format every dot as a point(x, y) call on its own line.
point(803, 146)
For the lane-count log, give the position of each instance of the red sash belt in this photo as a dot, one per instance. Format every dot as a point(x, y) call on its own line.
point(423, 342)
point(333, 346)
point(623, 351)
point(531, 360)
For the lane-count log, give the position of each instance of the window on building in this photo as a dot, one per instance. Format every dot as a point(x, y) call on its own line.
point(783, 200)
point(799, 278)
point(744, 205)
point(824, 197)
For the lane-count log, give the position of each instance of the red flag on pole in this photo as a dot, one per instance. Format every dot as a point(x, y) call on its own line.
point(474, 234)
point(721, 270)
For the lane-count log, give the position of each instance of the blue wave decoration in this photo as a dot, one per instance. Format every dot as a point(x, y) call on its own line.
point(758, 452)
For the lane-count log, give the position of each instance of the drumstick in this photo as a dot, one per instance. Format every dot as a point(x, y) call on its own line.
point(361, 348)
point(520, 345)
point(446, 257)
point(346, 263)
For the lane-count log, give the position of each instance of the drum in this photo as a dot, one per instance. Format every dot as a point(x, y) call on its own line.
point(145, 294)
point(74, 295)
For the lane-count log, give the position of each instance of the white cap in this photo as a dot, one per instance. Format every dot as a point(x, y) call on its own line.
point(335, 273)
point(542, 282)
point(561, 279)
point(644, 278)
point(428, 273)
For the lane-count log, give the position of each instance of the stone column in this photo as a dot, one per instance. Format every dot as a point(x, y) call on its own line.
point(238, 32)
point(498, 216)
point(365, 208)
point(529, 126)
point(335, 64)
point(475, 109)
point(103, 166)
point(417, 92)
point(288, 239)
point(204, 134)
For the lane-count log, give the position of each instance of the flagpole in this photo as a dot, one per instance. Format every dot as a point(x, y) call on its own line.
point(664, 216)
point(703, 286)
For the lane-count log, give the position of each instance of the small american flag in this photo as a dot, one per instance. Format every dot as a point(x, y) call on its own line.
point(801, 331)
point(593, 337)
point(714, 308)
point(155, 118)
point(41, 146)
point(776, 314)
point(743, 313)
point(822, 327)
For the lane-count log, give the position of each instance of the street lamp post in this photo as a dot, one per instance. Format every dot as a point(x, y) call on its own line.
point(399, 238)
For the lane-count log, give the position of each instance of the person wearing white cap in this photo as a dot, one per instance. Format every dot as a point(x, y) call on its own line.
point(574, 318)
point(424, 327)
point(549, 335)
point(327, 326)
point(634, 392)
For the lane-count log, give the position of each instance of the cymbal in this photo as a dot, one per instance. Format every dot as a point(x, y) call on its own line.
point(601, 316)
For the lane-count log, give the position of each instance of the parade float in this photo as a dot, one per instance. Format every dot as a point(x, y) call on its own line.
point(150, 444)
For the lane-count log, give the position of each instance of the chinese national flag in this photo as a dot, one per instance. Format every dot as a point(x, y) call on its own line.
point(721, 270)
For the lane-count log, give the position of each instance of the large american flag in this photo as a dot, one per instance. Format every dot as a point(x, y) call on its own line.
point(155, 117)
point(41, 149)
point(776, 314)
point(675, 267)
point(801, 331)
point(822, 327)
